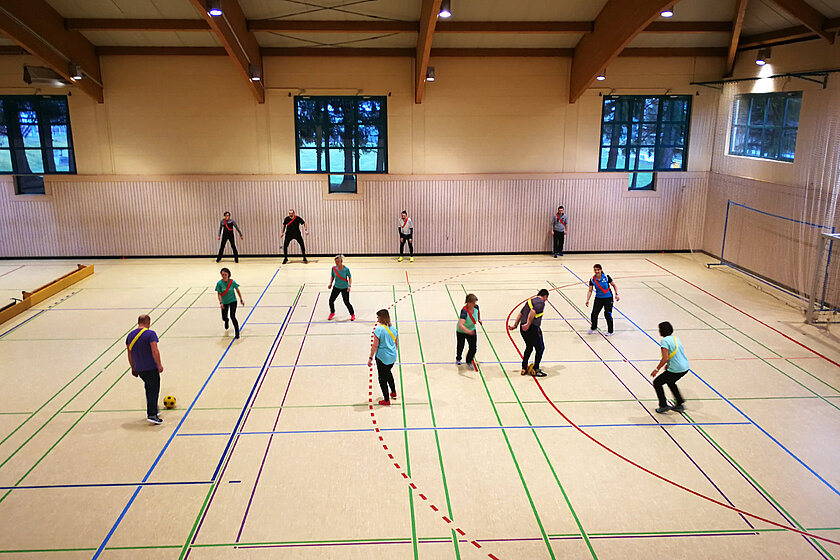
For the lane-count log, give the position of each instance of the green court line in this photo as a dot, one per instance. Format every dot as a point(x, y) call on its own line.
point(405, 433)
point(717, 446)
point(79, 419)
point(434, 421)
point(744, 347)
point(186, 546)
point(117, 341)
point(536, 437)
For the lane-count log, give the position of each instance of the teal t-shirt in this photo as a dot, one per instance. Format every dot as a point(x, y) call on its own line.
point(678, 362)
point(230, 296)
point(341, 277)
point(468, 321)
point(387, 350)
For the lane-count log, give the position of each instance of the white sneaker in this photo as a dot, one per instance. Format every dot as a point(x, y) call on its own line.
point(609, 334)
point(591, 331)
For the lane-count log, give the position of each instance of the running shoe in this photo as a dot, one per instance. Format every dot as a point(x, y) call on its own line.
point(352, 317)
point(458, 361)
point(411, 259)
point(400, 259)
point(156, 420)
point(678, 408)
point(226, 325)
point(609, 334)
point(592, 331)
point(331, 317)
point(663, 409)
point(385, 403)
point(305, 261)
point(285, 261)
point(393, 394)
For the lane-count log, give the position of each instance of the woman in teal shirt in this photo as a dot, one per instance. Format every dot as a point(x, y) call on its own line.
point(340, 274)
point(384, 349)
point(227, 299)
point(673, 355)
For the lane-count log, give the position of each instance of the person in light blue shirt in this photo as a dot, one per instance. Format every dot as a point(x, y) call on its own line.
point(673, 355)
point(384, 349)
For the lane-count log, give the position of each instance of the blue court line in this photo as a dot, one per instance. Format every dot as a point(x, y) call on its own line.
point(741, 412)
point(104, 543)
point(455, 428)
point(39, 313)
point(105, 485)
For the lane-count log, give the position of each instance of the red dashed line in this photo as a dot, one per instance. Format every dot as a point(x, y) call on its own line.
point(433, 507)
point(422, 497)
point(390, 456)
point(447, 519)
point(474, 543)
point(397, 465)
point(459, 531)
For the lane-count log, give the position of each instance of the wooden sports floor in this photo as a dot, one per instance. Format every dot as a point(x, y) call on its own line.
point(274, 450)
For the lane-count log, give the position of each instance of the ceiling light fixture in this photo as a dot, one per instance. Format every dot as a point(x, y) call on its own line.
point(430, 74)
point(668, 12)
point(445, 9)
point(763, 56)
point(214, 7)
point(602, 76)
point(75, 72)
point(254, 73)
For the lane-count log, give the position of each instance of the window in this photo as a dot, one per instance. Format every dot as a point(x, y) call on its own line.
point(644, 134)
point(341, 136)
point(29, 184)
point(35, 136)
point(764, 125)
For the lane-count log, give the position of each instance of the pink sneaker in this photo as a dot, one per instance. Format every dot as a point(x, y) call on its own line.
point(331, 317)
point(352, 317)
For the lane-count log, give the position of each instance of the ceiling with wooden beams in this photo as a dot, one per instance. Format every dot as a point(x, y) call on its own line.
point(391, 27)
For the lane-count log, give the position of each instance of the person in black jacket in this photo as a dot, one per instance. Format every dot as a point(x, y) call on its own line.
point(226, 228)
point(291, 230)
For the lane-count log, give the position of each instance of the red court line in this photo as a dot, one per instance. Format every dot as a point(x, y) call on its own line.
point(808, 348)
point(646, 470)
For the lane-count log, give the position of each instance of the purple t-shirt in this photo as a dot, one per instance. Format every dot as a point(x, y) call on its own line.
point(141, 352)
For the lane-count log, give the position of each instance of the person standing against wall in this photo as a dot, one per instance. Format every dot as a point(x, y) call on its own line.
point(226, 228)
point(406, 231)
point(559, 222)
point(291, 230)
point(141, 345)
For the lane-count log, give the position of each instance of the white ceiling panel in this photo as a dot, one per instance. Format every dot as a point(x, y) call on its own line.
point(762, 17)
point(828, 8)
point(328, 40)
point(504, 40)
point(151, 39)
point(139, 9)
point(681, 40)
point(338, 10)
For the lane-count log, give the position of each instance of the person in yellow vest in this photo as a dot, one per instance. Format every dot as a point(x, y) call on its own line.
point(141, 345)
point(673, 355)
point(384, 350)
point(529, 320)
point(225, 289)
point(466, 332)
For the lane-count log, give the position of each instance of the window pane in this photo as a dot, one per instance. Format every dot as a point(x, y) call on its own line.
point(738, 140)
point(342, 184)
point(770, 143)
point(674, 109)
point(793, 106)
point(369, 109)
point(29, 184)
point(641, 181)
point(54, 110)
point(340, 157)
point(669, 159)
point(758, 106)
point(312, 160)
point(788, 145)
point(609, 112)
point(672, 135)
point(776, 111)
point(753, 142)
point(368, 136)
point(58, 134)
point(4, 136)
point(371, 161)
point(61, 160)
point(28, 162)
point(5, 161)
point(613, 159)
point(742, 110)
point(338, 137)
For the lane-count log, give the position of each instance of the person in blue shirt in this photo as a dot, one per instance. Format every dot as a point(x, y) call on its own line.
point(604, 287)
point(673, 354)
point(340, 274)
point(384, 350)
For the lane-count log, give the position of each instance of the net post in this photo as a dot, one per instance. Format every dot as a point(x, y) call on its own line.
point(723, 243)
point(812, 299)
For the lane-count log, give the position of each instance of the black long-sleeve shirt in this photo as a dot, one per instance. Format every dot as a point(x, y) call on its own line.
point(230, 225)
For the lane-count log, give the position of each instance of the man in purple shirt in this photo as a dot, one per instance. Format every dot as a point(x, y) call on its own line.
point(141, 344)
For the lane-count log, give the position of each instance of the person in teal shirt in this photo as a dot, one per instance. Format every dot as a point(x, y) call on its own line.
point(225, 289)
point(340, 275)
point(466, 331)
point(673, 355)
point(384, 350)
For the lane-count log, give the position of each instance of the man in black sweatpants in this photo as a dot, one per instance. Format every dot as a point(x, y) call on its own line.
point(291, 230)
point(529, 320)
point(226, 228)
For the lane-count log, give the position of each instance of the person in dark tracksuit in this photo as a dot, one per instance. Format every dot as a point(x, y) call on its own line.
point(673, 354)
point(226, 227)
point(603, 286)
point(141, 345)
point(406, 229)
point(559, 223)
point(529, 320)
point(340, 274)
point(468, 322)
point(291, 230)
point(227, 289)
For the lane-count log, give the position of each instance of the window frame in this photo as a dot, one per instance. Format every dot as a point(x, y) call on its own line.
point(382, 128)
point(47, 153)
point(629, 145)
point(782, 128)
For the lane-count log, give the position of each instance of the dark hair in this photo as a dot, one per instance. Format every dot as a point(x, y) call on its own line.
point(665, 329)
point(471, 298)
point(597, 266)
point(384, 317)
point(560, 208)
point(144, 320)
point(404, 212)
point(225, 270)
point(543, 293)
point(226, 213)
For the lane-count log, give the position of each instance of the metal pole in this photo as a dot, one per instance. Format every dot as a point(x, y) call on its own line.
point(725, 224)
point(827, 264)
point(812, 300)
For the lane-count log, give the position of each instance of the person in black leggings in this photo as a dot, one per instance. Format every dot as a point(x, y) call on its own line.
point(340, 274)
point(529, 320)
point(225, 289)
point(291, 231)
point(383, 348)
point(604, 287)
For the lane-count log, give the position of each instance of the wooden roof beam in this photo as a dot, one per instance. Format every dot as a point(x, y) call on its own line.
point(737, 25)
point(810, 17)
point(616, 25)
point(36, 27)
point(231, 28)
point(428, 19)
point(797, 33)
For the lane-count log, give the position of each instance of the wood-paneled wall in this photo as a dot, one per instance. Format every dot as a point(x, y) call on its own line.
point(123, 216)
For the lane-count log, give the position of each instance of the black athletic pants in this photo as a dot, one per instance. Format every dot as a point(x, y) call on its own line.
point(471, 340)
point(228, 237)
point(289, 239)
point(230, 307)
point(386, 379)
point(533, 341)
point(559, 239)
point(605, 304)
point(670, 379)
point(151, 380)
point(345, 295)
point(403, 239)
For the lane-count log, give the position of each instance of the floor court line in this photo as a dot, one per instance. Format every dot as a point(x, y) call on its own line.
point(741, 412)
point(10, 271)
point(122, 514)
point(39, 313)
